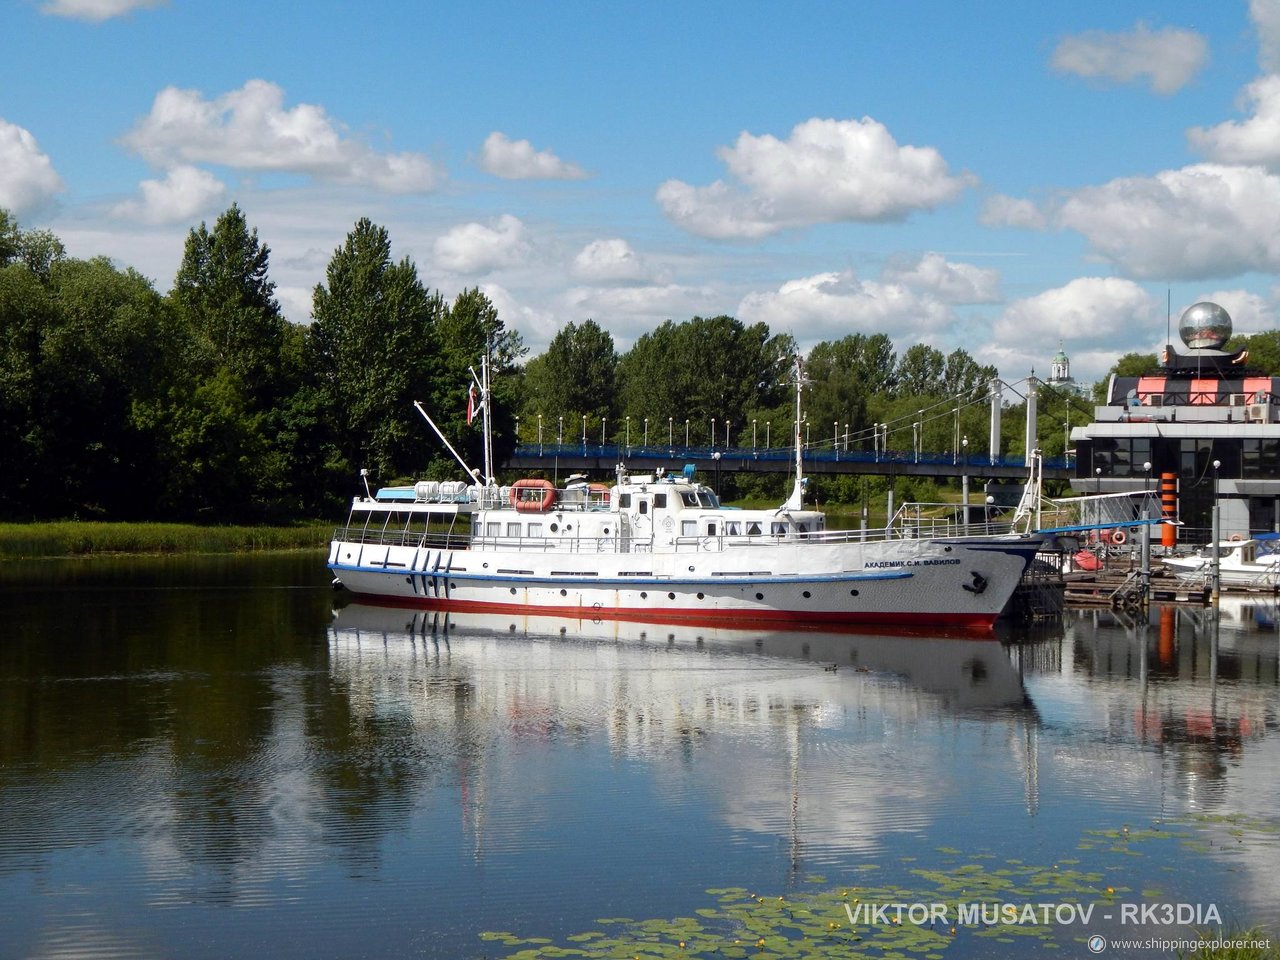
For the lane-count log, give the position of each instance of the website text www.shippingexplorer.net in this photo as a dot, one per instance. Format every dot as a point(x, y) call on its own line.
point(1165, 946)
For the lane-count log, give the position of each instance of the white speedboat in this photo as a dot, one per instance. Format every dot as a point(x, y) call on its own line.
point(1241, 564)
point(662, 548)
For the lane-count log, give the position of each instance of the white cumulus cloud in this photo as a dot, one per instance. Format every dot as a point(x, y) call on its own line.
point(517, 160)
point(183, 194)
point(1254, 140)
point(1266, 18)
point(826, 171)
point(95, 11)
point(956, 283)
point(27, 177)
point(609, 261)
point(472, 248)
point(251, 129)
point(1200, 221)
point(1167, 59)
point(1087, 310)
point(1002, 211)
point(838, 303)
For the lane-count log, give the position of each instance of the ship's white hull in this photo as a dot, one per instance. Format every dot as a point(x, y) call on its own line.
point(949, 583)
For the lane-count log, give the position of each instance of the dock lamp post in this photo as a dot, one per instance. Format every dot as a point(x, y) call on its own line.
point(603, 422)
point(964, 482)
point(539, 434)
point(716, 457)
point(713, 433)
point(671, 434)
point(628, 435)
point(560, 434)
point(768, 425)
point(753, 435)
point(727, 425)
point(686, 434)
point(646, 433)
point(1215, 578)
point(584, 434)
point(517, 431)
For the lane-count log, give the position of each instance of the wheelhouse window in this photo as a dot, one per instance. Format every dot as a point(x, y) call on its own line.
point(535, 529)
point(659, 501)
point(492, 529)
point(513, 529)
point(624, 501)
point(688, 528)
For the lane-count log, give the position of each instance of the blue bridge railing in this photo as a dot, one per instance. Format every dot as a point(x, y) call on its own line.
point(622, 452)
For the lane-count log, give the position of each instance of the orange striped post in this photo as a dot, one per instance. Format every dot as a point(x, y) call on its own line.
point(1168, 509)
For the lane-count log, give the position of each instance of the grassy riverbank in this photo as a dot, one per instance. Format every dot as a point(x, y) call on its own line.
point(71, 538)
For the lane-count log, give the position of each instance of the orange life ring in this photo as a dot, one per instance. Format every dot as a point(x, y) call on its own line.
point(540, 495)
point(1118, 537)
point(1235, 538)
point(599, 488)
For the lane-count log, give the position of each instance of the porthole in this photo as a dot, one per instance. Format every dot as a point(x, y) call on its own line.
point(564, 593)
point(946, 549)
point(554, 527)
point(513, 591)
point(853, 593)
point(759, 596)
point(644, 595)
point(671, 596)
point(807, 594)
point(409, 580)
point(453, 586)
point(485, 565)
point(702, 596)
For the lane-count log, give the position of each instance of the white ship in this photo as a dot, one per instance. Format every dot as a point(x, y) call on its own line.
point(661, 548)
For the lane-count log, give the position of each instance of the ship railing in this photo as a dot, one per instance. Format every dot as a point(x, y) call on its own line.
point(402, 538)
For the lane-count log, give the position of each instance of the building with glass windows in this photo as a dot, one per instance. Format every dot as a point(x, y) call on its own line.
point(1203, 405)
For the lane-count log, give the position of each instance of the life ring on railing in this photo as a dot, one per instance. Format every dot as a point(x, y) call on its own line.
point(1235, 537)
point(532, 496)
point(1118, 537)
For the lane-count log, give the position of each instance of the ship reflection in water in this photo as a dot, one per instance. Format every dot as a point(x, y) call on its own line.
point(754, 726)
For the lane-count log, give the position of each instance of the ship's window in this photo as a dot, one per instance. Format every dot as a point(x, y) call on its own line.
point(644, 507)
point(688, 528)
point(535, 529)
point(513, 529)
point(778, 529)
point(753, 529)
point(711, 529)
point(492, 529)
point(624, 501)
point(688, 498)
point(733, 528)
point(707, 499)
point(659, 501)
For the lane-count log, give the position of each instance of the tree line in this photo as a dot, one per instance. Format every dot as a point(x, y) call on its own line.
point(207, 404)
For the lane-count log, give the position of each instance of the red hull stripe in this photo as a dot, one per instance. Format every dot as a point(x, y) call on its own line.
point(727, 618)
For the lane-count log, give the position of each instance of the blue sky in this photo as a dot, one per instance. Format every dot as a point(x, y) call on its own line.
point(994, 176)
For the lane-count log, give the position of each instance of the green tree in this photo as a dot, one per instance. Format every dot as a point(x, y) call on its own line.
point(372, 352)
point(703, 369)
point(223, 293)
point(575, 377)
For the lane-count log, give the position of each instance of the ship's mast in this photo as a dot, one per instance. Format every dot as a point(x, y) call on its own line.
point(796, 500)
point(486, 425)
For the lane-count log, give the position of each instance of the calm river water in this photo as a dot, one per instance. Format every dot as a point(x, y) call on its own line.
point(200, 758)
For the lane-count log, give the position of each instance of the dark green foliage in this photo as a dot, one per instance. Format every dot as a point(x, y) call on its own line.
point(208, 404)
point(371, 352)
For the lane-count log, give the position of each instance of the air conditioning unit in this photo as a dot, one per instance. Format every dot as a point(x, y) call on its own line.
point(1257, 413)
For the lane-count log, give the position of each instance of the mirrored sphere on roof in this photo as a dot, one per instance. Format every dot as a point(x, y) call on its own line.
point(1205, 326)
